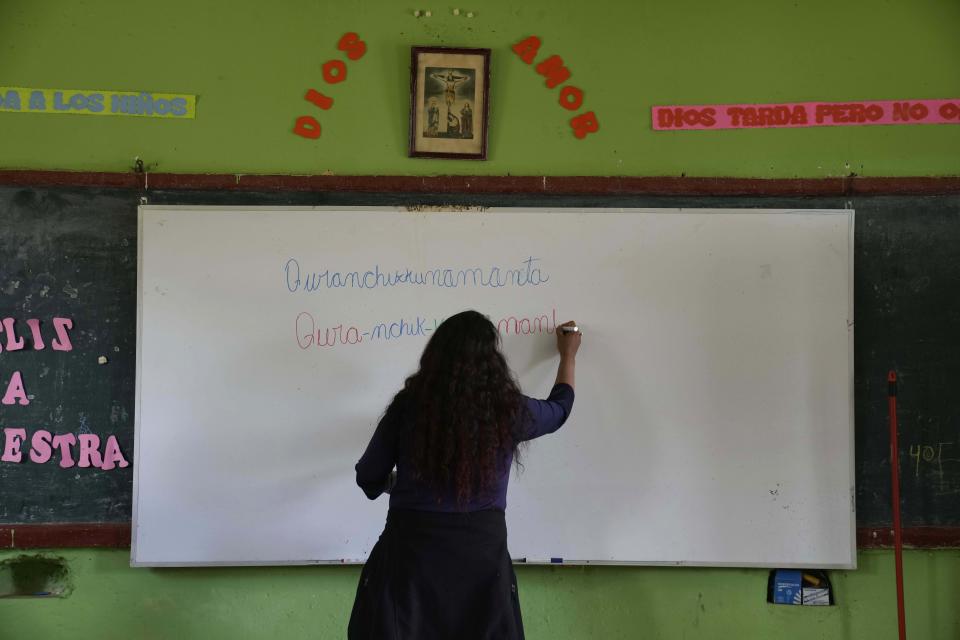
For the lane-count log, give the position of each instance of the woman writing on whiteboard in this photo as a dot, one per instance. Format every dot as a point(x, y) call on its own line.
point(441, 569)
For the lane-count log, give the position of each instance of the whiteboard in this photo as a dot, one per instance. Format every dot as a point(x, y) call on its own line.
point(713, 423)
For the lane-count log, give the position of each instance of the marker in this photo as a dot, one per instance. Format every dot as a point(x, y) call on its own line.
point(557, 560)
point(573, 329)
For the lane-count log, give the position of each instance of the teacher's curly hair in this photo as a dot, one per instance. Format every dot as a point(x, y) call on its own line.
point(464, 406)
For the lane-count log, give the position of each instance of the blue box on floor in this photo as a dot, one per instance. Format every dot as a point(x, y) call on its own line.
point(787, 586)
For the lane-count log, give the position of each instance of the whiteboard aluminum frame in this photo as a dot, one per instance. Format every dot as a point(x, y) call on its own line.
point(849, 212)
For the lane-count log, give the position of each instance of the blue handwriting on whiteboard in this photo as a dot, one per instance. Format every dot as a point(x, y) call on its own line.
point(527, 275)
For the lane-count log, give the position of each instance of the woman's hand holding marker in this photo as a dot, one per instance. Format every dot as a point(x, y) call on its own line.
point(568, 343)
point(568, 339)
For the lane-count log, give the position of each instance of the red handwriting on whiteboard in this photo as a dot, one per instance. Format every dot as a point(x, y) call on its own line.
point(556, 73)
point(334, 72)
point(310, 334)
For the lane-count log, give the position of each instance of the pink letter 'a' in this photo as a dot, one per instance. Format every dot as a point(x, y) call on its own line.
point(13, 438)
point(15, 391)
point(89, 451)
point(112, 456)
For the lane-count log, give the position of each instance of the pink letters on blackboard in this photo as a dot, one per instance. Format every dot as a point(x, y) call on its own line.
point(12, 439)
point(15, 391)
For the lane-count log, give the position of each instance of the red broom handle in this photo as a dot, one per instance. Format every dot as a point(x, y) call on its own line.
point(895, 472)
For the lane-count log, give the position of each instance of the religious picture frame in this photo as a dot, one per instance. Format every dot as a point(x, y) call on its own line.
point(449, 102)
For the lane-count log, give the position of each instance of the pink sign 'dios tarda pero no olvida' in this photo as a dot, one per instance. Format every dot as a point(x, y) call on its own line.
point(805, 114)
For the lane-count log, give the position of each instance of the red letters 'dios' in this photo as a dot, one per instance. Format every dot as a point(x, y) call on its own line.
point(334, 72)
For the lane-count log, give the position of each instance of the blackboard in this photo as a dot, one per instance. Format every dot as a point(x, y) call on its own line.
point(71, 252)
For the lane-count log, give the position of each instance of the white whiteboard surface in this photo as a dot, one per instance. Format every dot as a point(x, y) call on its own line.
point(713, 423)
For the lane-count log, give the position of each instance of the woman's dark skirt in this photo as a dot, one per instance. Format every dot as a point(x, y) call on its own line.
point(438, 576)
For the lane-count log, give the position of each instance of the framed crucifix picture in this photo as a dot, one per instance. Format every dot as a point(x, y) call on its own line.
point(448, 102)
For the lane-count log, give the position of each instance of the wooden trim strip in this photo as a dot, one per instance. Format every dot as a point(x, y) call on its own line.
point(70, 179)
point(550, 185)
point(916, 537)
point(117, 535)
point(65, 535)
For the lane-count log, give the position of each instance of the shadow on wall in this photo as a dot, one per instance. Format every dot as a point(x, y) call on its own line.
point(30, 576)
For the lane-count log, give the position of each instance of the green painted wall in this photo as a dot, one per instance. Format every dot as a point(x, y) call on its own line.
point(111, 601)
point(251, 62)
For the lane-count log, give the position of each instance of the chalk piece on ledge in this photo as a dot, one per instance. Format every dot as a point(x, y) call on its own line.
point(428, 13)
point(456, 12)
point(102, 360)
point(469, 14)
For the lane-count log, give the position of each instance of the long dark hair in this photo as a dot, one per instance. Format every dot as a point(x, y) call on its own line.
point(464, 407)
